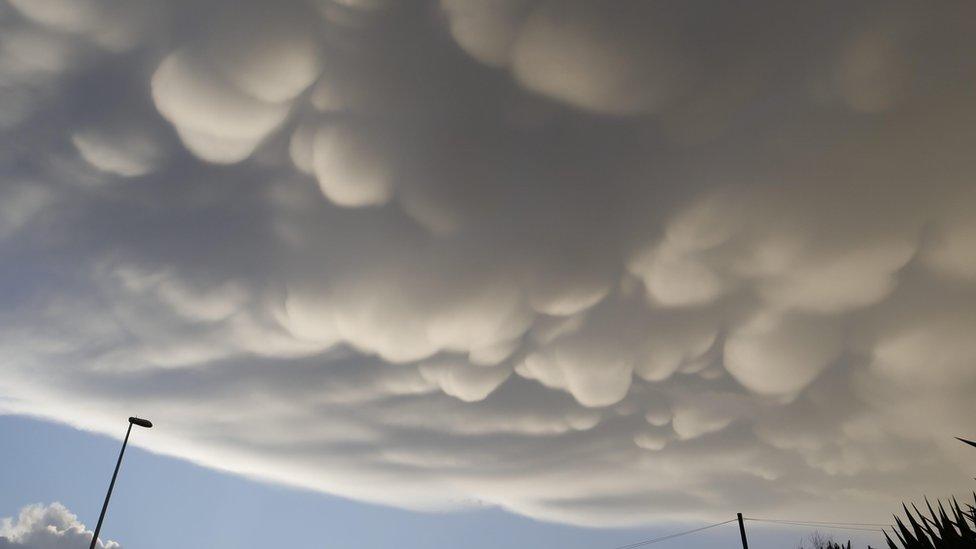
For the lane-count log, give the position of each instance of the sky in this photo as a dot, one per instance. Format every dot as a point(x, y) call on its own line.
point(551, 264)
point(162, 502)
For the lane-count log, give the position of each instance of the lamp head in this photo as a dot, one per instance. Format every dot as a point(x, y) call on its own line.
point(141, 422)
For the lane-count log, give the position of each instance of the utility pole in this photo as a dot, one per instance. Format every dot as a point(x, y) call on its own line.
point(145, 423)
point(742, 531)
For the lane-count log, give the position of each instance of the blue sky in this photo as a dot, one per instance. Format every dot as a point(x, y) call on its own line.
point(159, 499)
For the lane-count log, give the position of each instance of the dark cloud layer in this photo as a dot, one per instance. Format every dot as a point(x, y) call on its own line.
point(597, 262)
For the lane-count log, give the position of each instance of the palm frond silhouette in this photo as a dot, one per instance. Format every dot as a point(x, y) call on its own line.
point(969, 442)
point(954, 528)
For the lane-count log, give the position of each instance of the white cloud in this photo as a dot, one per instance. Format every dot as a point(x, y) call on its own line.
point(226, 97)
point(905, 354)
point(349, 169)
point(779, 355)
point(402, 310)
point(675, 278)
point(464, 381)
point(486, 30)
point(848, 279)
point(673, 342)
point(598, 59)
point(125, 155)
point(270, 54)
point(595, 376)
point(651, 440)
point(47, 527)
point(216, 121)
point(112, 24)
point(575, 51)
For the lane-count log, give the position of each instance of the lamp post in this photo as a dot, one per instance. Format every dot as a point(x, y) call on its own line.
point(132, 421)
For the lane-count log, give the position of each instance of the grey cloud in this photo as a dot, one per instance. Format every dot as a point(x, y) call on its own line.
point(596, 263)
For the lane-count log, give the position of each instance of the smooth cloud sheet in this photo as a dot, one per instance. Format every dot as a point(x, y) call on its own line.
point(592, 262)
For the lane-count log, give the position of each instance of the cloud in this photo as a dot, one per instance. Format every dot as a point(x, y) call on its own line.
point(112, 25)
point(215, 120)
point(588, 56)
point(952, 254)
point(47, 527)
point(598, 59)
point(124, 155)
point(599, 263)
point(461, 380)
point(486, 30)
point(227, 98)
point(781, 355)
point(19, 203)
point(349, 170)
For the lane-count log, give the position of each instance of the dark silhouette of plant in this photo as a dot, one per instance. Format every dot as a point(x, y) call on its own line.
point(821, 541)
point(952, 529)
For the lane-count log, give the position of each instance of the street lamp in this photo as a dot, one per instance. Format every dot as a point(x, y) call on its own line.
point(132, 421)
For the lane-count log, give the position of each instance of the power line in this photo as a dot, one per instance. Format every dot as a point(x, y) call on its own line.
point(817, 527)
point(825, 525)
point(857, 526)
point(883, 525)
point(671, 536)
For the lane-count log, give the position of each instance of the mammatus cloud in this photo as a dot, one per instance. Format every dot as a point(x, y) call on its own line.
point(591, 262)
point(47, 527)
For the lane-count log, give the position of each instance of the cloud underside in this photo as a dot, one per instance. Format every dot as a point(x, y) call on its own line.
point(591, 262)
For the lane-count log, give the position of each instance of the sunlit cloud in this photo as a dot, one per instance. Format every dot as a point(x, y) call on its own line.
point(47, 527)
